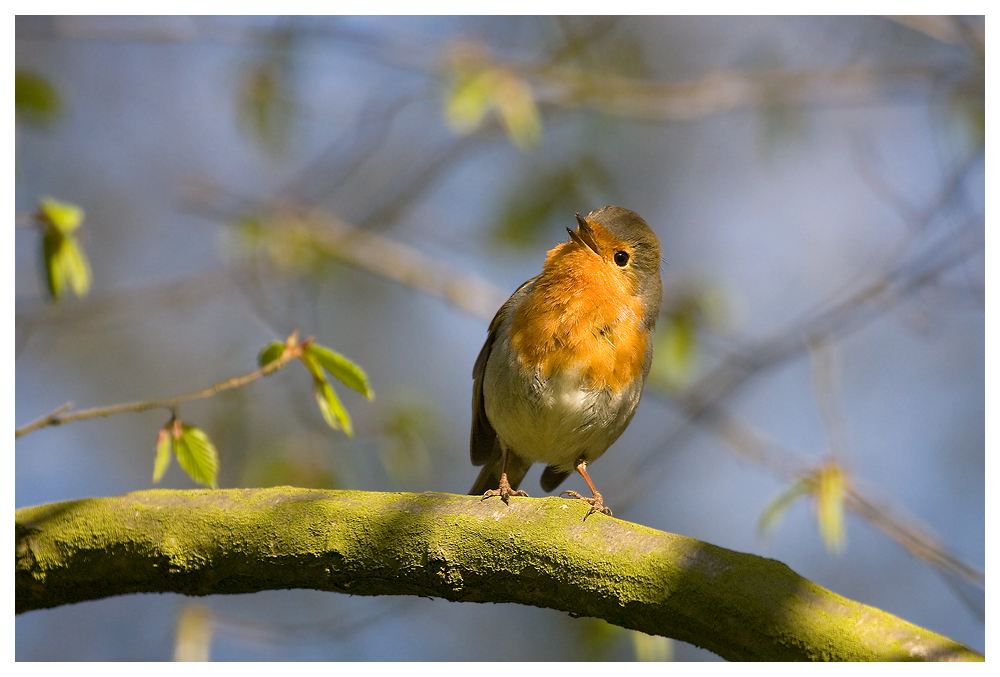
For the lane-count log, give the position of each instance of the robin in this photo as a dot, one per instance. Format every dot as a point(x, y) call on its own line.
point(563, 366)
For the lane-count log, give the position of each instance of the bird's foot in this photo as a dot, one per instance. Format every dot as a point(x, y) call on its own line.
point(596, 502)
point(504, 491)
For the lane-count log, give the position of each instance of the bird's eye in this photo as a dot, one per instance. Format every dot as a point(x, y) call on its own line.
point(621, 258)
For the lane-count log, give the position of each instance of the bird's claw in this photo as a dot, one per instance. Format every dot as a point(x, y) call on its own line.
point(596, 502)
point(504, 491)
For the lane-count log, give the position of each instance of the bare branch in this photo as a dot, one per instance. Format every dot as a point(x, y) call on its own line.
point(723, 91)
point(319, 232)
point(60, 416)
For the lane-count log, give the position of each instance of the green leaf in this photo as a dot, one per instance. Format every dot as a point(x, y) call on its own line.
point(162, 461)
point(968, 108)
point(309, 359)
point(596, 638)
point(270, 353)
point(479, 89)
point(329, 404)
point(831, 484)
point(772, 513)
point(469, 101)
point(36, 101)
point(65, 264)
point(193, 637)
point(518, 111)
point(196, 455)
point(828, 485)
point(340, 368)
point(649, 648)
point(676, 351)
point(64, 216)
point(77, 267)
point(265, 104)
point(53, 261)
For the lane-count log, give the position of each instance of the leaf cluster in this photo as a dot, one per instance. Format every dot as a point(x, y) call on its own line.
point(65, 263)
point(195, 452)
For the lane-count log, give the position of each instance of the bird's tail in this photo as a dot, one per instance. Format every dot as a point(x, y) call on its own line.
point(489, 476)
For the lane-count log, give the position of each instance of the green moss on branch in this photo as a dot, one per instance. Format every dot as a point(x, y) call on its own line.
point(539, 552)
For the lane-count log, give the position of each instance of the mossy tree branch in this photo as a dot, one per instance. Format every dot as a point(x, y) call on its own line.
point(535, 551)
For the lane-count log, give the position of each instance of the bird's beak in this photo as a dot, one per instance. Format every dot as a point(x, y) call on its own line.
point(584, 235)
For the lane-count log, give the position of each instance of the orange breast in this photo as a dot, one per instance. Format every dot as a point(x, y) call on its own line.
point(581, 316)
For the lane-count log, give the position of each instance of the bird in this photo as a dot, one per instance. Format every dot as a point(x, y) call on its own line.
point(566, 358)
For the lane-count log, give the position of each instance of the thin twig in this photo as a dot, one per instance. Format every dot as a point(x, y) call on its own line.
point(46, 420)
point(912, 538)
point(826, 389)
point(754, 447)
point(293, 350)
point(722, 90)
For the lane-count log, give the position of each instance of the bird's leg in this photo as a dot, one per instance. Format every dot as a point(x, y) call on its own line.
point(504, 491)
point(597, 502)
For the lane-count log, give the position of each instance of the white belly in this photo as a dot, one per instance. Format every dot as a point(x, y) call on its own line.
point(557, 421)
